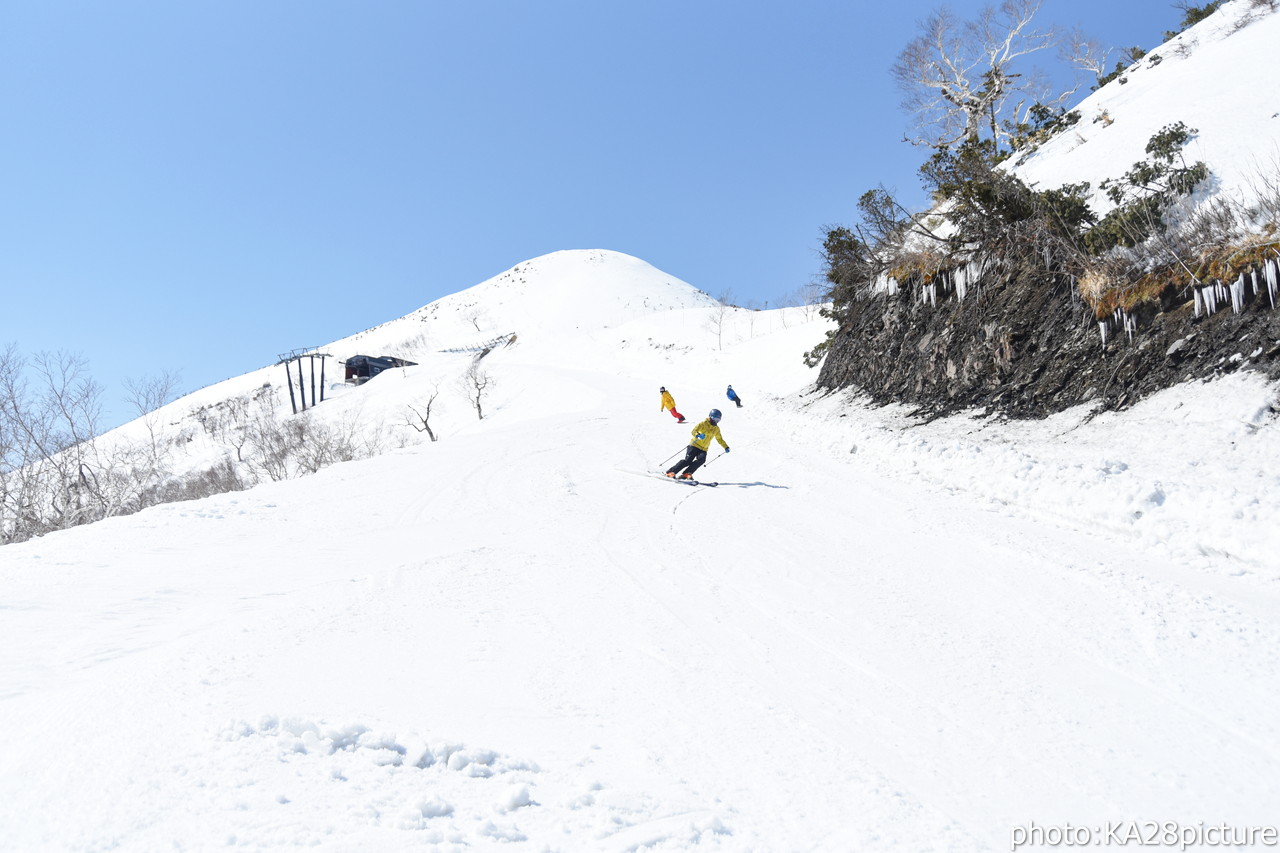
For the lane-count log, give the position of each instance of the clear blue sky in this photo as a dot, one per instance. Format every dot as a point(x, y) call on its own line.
point(199, 186)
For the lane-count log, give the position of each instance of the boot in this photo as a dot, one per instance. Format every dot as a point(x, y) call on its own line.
point(671, 475)
point(686, 476)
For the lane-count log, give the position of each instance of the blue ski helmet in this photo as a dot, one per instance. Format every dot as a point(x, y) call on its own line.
point(714, 417)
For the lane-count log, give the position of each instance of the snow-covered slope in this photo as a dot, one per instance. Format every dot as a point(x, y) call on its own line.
point(551, 302)
point(869, 636)
point(1214, 77)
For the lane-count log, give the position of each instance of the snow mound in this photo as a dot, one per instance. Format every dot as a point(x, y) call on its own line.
point(545, 298)
point(403, 790)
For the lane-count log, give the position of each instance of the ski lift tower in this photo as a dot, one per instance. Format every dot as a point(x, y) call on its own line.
point(296, 356)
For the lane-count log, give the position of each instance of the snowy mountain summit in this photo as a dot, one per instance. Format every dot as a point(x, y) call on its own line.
point(543, 299)
point(581, 289)
point(568, 305)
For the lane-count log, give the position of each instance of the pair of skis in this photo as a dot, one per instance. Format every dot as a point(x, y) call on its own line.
point(661, 476)
point(686, 482)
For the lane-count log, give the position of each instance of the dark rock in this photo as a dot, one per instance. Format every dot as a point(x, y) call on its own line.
point(1030, 349)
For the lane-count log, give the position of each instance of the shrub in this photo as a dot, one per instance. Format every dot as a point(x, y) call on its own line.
point(1044, 123)
point(1144, 194)
point(1192, 15)
point(1131, 55)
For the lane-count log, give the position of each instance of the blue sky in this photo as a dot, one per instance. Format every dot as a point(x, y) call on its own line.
point(197, 187)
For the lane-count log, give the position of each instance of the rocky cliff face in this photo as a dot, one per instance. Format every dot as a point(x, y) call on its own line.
point(1028, 349)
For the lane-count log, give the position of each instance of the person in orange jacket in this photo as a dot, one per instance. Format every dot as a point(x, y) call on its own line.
point(696, 453)
point(669, 402)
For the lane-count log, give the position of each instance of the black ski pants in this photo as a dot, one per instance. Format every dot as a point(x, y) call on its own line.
point(692, 461)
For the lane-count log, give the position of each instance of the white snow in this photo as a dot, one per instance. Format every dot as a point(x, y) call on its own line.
point(1215, 77)
point(873, 634)
point(870, 635)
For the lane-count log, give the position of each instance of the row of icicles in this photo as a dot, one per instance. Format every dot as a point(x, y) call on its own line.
point(957, 282)
point(1208, 297)
point(1211, 295)
point(1249, 285)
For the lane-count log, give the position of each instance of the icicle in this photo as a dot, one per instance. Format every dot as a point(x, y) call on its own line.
point(1102, 330)
point(1195, 292)
point(962, 282)
point(1237, 295)
point(1273, 271)
point(976, 270)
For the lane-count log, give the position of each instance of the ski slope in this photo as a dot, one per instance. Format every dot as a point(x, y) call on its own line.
point(871, 636)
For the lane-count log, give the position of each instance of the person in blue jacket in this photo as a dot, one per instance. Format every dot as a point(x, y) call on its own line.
point(733, 395)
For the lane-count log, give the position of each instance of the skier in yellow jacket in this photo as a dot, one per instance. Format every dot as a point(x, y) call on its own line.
point(669, 402)
point(696, 453)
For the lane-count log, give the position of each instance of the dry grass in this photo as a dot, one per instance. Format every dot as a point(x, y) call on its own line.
point(1115, 284)
point(920, 267)
point(1220, 240)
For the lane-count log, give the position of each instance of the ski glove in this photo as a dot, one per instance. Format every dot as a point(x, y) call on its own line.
point(726, 448)
point(701, 436)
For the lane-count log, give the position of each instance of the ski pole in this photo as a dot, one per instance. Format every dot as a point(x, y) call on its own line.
point(672, 456)
point(713, 459)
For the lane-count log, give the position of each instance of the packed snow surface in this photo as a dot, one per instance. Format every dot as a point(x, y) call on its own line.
point(873, 634)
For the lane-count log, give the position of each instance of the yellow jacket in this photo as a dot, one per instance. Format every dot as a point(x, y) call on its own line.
point(668, 402)
point(709, 431)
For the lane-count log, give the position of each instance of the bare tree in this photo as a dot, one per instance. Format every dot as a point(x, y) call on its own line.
point(273, 445)
point(753, 307)
point(719, 316)
point(50, 466)
point(959, 78)
point(815, 296)
point(328, 442)
point(422, 414)
point(146, 395)
point(1085, 53)
point(151, 392)
point(475, 384)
